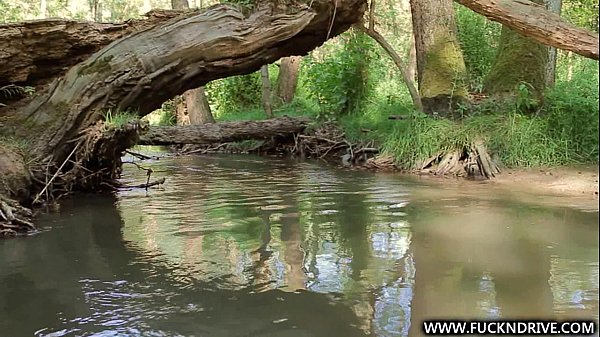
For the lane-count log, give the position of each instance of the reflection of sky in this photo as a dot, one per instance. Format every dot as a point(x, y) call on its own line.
point(487, 303)
point(393, 303)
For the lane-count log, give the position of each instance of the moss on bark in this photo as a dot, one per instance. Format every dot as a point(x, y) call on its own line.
point(519, 60)
point(444, 77)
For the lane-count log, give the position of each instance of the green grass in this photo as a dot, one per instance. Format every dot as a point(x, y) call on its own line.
point(119, 118)
point(298, 107)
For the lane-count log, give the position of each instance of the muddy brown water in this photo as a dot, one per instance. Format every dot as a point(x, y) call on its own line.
point(248, 246)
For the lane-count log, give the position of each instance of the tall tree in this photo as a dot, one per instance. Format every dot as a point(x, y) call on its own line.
point(441, 68)
point(194, 108)
point(267, 95)
point(288, 78)
point(520, 61)
point(553, 6)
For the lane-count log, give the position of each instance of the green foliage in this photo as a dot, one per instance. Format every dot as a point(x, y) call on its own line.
point(165, 116)
point(117, 119)
point(479, 39)
point(565, 131)
point(340, 81)
point(572, 113)
point(299, 107)
point(582, 13)
point(235, 93)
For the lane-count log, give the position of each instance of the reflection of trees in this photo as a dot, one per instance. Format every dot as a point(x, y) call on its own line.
point(485, 259)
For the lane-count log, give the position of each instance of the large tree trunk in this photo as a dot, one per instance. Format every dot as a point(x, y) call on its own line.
point(223, 132)
point(519, 60)
point(288, 78)
point(533, 20)
point(54, 45)
point(139, 72)
point(441, 68)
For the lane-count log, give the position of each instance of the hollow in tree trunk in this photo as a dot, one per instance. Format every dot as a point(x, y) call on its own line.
point(441, 68)
point(288, 78)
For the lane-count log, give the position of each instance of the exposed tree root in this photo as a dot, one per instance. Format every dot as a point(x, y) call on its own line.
point(94, 164)
point(14, 218)
point(473, 162)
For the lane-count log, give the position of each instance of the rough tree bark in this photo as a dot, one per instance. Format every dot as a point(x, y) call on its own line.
point(198, 107)
point(288, 78)
point(142, 70)
point(440, 65)
point(194, 108)
point(223, 132)
point(267, 95)
point(44, 49)
point(519, 59)
point(533, 20)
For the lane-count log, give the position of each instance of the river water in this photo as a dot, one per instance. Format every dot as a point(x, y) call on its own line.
point(248, 246)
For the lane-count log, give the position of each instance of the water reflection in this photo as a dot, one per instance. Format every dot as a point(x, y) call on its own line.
point(240, 246)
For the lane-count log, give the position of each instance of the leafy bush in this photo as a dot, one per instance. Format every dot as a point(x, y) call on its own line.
point(235, 93)
point(340, 81)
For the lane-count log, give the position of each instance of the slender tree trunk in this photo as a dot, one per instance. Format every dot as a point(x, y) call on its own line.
point(267, 95)
point(519, 60)
point(411, 67)
point(288, 78)
point(195, 108)
point(440, 65)
point(569, 65)
point(553, 6)
point(410, 83)
point(43, 9)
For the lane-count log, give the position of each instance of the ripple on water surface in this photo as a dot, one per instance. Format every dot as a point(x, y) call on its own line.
point(244, 246)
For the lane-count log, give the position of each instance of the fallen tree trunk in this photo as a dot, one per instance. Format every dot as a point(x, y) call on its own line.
point(139, 72)
point(223, 132)
point(35, 51)
point(533, 20)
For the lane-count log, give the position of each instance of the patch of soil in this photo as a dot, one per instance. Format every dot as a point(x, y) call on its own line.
point(565, 181)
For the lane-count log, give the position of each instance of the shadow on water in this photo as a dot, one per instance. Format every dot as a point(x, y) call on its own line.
point(244, 246)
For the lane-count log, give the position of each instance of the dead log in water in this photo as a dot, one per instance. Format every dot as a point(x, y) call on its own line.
point(223, 132)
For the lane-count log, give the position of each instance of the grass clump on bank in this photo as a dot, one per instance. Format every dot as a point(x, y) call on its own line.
point(117, 119)
point(563, 132)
